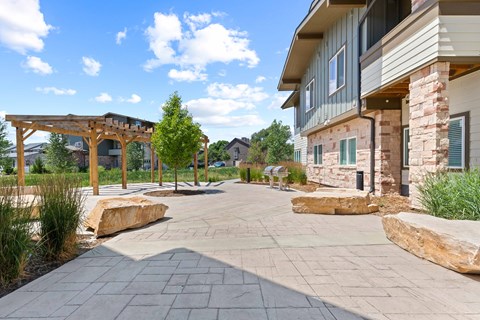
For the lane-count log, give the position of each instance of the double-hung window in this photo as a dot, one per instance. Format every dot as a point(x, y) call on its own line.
point(348, 151)
point(317, 154)
point(297, 155)
point(456, 149)
point(310, 95)
point(336, 72)
point(406, 151)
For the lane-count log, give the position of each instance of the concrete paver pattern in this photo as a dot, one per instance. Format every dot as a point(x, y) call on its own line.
point(238, 252)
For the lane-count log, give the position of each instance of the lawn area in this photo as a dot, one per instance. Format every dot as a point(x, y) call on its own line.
point(114, 176)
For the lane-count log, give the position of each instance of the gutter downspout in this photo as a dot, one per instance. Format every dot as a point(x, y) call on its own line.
point(359, 104)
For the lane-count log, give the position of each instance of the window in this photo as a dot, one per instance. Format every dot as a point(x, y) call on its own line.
point(317, 154)
point(336, 72)
point(310, 95)
point(236, 153)
point(297, 156)
point(348, 151)
point(406, 151)
point(456, 149)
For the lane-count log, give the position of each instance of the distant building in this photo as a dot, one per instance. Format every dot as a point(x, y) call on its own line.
point(238, 150)
point(109, 151)
point(32, 152)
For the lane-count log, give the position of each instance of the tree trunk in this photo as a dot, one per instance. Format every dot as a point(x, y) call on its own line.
point(175, 179)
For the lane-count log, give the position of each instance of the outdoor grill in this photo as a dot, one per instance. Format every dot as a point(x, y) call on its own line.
point(280, 172)
point(268, 171)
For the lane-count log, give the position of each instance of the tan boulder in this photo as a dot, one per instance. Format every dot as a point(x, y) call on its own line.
point(115, 214)
point(334, 201)
point(453, 244)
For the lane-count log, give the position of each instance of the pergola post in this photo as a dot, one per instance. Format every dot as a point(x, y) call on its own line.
point(195, 169)
point(123, 145)
point(20, 158)
point(205, 154)
point(152, 164)
point(94, 160)
point(160, 171)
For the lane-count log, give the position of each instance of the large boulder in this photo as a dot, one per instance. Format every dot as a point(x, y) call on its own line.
point(453, 244)
point(334, 201)
point(115, 214)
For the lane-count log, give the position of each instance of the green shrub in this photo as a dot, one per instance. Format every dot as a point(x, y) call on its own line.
point(38, 166)
point(61, 206)
point(452, 195)
point(15, 235)
point(296, 172)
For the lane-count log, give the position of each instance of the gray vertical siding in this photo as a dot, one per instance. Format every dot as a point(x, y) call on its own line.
point(342, 33)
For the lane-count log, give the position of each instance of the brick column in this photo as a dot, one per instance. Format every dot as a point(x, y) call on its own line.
point(429, 117)
point(388, 154)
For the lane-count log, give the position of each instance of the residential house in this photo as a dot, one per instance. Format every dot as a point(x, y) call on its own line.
point(238, 151)
point(32, 151)
point(385, 90)
point(109, 151)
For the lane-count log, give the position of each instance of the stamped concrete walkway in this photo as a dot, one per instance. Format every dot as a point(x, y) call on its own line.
point(238, 252)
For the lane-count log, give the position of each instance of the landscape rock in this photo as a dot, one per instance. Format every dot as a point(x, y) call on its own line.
point(453, 244)
point(115, 214)
point(334, 201)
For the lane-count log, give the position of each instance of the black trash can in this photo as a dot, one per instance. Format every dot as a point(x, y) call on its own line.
point(359, 180)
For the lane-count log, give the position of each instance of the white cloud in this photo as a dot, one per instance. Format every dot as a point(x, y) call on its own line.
point(242, 92)
point(260, 79)
point(204, 107)
point(121, 35)
point(104, 98)
point(202, 43)
point(135, 98)
point(277, 100)
point(91, 66)
point(187, 75)
point(56, 91)
point(230, 121)
point(22, 25)
point(167, 28)
point(36, 65)
point(196, 21)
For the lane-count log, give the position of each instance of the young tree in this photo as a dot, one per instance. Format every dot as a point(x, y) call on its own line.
point(274, 142)
point(176, 137)
point(135, 155)
point(217, 152)
point(255, 153)
point(4, 144)
point(38, 166)
point(59, 159)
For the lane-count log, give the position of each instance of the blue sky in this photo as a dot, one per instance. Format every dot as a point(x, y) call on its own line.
point(89, 57)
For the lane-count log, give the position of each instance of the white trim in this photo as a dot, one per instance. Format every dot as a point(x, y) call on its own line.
point(335, 57)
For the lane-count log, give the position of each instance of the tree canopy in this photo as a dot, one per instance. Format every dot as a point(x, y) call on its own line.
point(59, 159)
point(135, 155)
point(272, 144)
point(176, 137)
point(4, 143)
point(217, 152)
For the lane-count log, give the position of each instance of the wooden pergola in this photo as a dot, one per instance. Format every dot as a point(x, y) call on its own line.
point(94, 130)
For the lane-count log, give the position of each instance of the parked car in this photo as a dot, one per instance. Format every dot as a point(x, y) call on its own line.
point(219, 164)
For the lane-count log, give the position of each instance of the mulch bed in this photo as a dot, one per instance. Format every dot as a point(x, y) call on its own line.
point(173, 193)
point(37, 266)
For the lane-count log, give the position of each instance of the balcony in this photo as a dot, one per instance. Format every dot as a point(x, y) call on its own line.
point(115, 152)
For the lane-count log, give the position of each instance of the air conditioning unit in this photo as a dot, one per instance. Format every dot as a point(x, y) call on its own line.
point(79, 144)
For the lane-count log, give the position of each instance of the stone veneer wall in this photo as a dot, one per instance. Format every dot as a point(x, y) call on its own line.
point(388, 154)
point(429, 117)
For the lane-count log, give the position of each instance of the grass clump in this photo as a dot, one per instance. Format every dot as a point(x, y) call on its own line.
point(452, 195)
point(296, 172)
point(15, 234)
point(61, 203)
